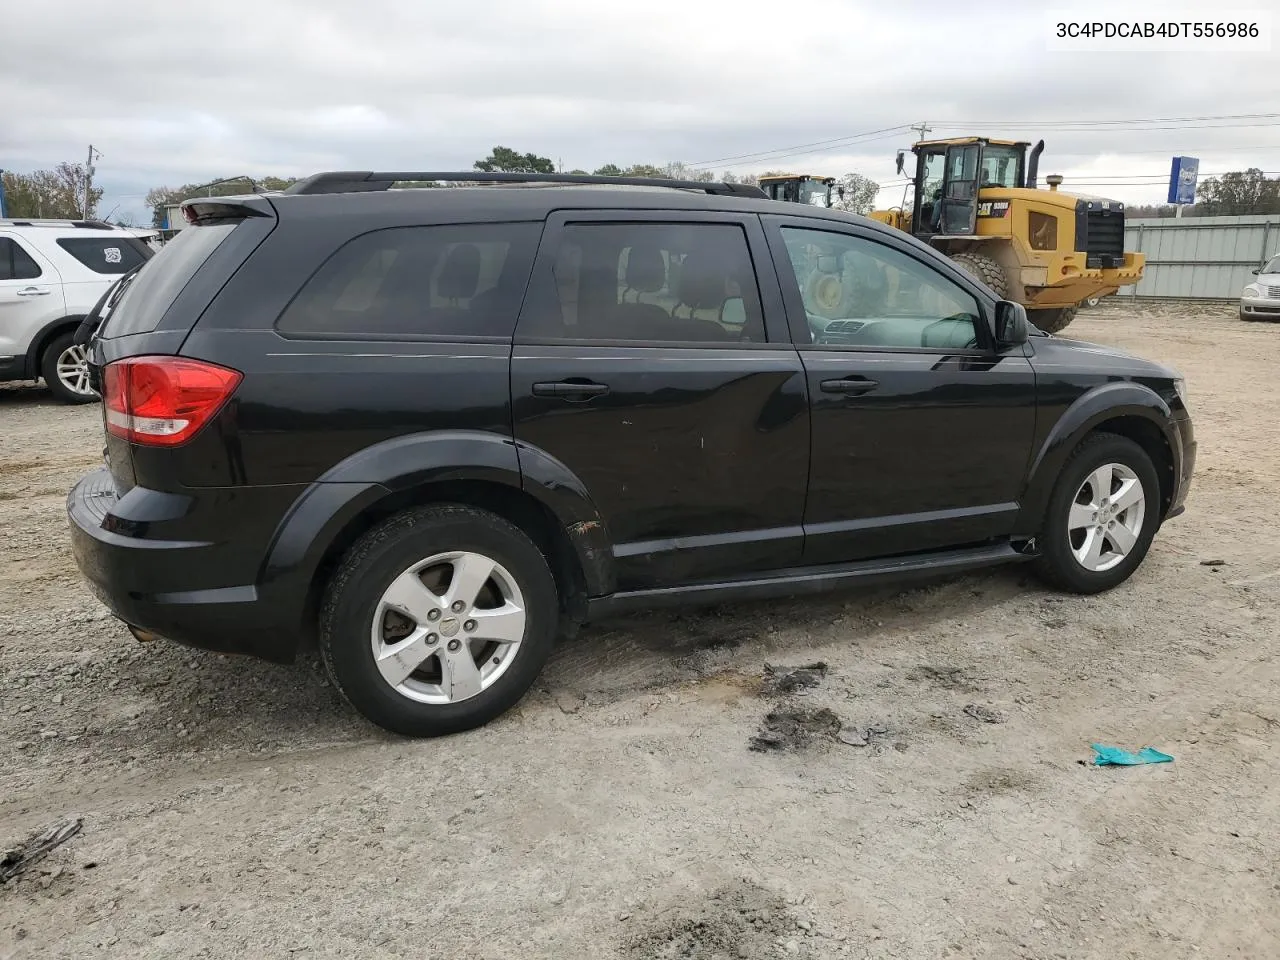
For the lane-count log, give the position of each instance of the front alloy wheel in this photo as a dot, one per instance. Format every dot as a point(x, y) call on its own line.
point(1102, 515)
point(1106, 517)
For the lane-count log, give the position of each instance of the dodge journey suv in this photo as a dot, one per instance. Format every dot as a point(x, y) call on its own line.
point(430, 430)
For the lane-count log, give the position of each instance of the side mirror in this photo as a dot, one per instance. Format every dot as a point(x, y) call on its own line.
point(1011, 323)
point(901, 162)
point(1256, 271)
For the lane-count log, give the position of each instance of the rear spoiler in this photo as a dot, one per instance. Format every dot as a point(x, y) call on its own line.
point(201, 210)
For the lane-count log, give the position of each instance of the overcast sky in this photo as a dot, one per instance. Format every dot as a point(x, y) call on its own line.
point(172, 92)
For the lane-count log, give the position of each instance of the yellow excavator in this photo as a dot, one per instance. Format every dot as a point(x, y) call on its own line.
point(977, 200)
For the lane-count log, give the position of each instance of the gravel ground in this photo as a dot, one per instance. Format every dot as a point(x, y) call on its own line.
point(663, 794)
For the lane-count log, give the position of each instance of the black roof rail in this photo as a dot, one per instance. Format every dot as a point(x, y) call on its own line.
point(366, 181)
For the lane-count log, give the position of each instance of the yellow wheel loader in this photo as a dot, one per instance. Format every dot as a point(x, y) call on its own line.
point(801, 188)
point(976, 200)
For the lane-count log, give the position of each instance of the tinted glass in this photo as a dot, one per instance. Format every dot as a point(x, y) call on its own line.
point(110, 255)
point(16, 263)
point(860, 293)
point(409, 282)
point(162, 278)
point(650, 283)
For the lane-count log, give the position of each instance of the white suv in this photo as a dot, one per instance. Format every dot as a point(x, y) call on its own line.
point(52, 273)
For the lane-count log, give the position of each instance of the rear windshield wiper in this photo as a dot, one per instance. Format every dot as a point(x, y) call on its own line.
point(89, 325)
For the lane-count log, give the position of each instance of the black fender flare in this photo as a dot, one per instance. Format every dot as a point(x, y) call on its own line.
point(1105, 402)
point(43, 336)
point(349, 488)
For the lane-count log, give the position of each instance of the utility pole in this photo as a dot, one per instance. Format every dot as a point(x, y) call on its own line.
point(88, 181)
point(921, 128)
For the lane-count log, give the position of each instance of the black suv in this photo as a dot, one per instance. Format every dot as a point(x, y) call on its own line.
point(435, 428)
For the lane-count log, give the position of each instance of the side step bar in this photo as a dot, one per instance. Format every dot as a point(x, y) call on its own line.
point(805, 580)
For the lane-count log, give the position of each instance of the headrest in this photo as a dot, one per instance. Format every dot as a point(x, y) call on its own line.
point(702, 281)
point(460, 274)
point(646, 270)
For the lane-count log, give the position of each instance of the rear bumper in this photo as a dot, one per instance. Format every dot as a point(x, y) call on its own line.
point(161, 586)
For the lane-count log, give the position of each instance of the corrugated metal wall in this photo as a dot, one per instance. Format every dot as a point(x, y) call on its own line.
point(1200, 258)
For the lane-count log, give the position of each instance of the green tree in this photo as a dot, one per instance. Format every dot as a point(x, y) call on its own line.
point(56, 193)
point(160, 197)
point(609, 170)
point(504, 159)
point(644, 170)
point(859, 194)
point(679, 170)
point(1239, 193)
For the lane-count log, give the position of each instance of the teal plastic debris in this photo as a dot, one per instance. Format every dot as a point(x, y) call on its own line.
point(1114, 756)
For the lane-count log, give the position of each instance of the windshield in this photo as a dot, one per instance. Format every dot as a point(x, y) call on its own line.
point(1272, 267)
point(1000, 166)
point(815, 192)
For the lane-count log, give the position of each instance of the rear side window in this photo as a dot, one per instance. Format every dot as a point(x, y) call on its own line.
point(110, 255)
point(412, 282)
point(159, 282)
point(16, 263)
point(650, 283)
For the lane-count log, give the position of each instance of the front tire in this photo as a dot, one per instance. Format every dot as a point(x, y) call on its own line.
point(1102, 516)
point(65, 368)
point(985, 269)
point(1052, 321)
point(439, 620)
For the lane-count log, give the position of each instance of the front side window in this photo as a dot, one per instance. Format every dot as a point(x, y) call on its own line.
point(650, 283)
point(411, 282)
point(16, 263)
point(860, 293)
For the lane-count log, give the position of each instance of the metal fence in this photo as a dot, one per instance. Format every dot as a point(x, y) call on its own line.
point(1200, 258)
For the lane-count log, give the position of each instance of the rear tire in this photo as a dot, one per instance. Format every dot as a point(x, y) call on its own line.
point(1052, 321)
point(405, 671)
point(982, 267)
point(1124, 534)
point(65, 368)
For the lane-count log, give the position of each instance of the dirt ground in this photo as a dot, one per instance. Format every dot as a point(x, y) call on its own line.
point(942, 807)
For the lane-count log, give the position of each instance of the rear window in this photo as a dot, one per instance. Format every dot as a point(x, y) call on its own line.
point(408, 283)
point(159, 282)
point(109, 255)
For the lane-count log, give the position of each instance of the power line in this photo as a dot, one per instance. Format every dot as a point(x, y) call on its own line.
point(1077, 126)
point(891, 131)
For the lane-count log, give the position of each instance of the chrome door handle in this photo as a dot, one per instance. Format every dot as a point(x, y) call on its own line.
point(33, 292)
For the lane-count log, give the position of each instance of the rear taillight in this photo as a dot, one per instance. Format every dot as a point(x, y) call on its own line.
point(163, 401)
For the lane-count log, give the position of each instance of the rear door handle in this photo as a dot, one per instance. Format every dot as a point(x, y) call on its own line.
point(33, 292)
point(850, 386)
point(570, 390)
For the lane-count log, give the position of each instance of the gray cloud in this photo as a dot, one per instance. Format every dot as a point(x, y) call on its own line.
point(175, 93)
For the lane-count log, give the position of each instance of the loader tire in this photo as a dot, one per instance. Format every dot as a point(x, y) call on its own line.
point(985, 269)
point(1052, 321)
